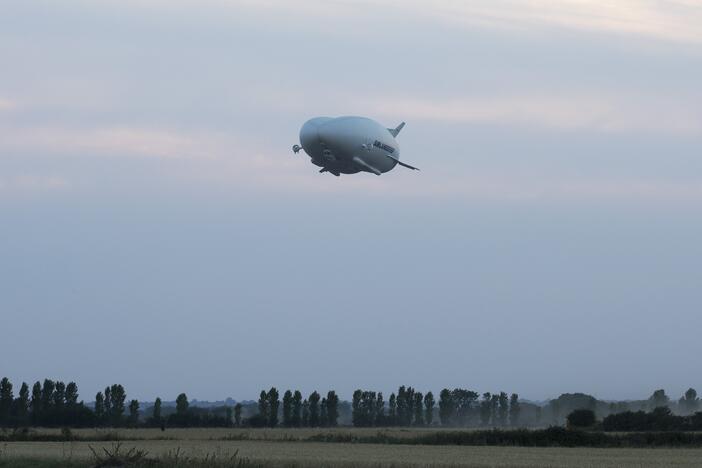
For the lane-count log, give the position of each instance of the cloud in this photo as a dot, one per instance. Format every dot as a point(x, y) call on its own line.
point(599, 113)
point(32, 183)
point(7, 105)
point(116, 141)
point(670, 20)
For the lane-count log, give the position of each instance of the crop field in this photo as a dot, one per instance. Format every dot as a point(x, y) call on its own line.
point(283, 448)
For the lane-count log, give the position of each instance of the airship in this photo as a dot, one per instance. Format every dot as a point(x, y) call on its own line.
point(348, 145)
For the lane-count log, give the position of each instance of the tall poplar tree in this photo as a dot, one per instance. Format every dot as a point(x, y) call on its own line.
point(314, 409)
point(297, 409)
point(287, 408)
point(429, 408)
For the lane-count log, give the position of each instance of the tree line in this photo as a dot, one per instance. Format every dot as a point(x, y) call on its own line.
point(54, 403)
point(457, 407)
point(313, 411)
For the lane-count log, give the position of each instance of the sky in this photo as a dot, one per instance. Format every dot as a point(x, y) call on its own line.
point(157, 231)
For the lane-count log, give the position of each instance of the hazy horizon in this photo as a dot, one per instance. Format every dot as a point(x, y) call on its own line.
point(158, 232)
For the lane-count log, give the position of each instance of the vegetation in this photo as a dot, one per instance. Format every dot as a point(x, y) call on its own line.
point(55, 404)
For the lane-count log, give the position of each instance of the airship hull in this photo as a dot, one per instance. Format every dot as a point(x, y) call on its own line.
point(347, 145)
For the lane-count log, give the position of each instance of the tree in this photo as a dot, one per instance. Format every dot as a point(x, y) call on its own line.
point(6, 398)
point(494, 405)
point(446, 407)
point(418, 409)
point(658, 399)
point(117, 398)
point(263, 409)
point(314, 409)
point(581, 418)
point(23, 404)
point(133, 412)
point(405, 405)
point(323, 421)
point(356, 416)
point(297, 409)
point(182, 405)
point(71, 395)
point(689, 402)
point(237, 415)
point(305, 413)
point(332, 408)
point(47, 398)
point(108, 403)
point(464, 403)
point(485, 409)
point(273, 405)
point(429, 408)
point(59, 398)
point(514, 409)
point(503, 410)
point(99, 407)
point(157, 412)
point(35, 404)
point(392, 410)
point(287, 408)
point(379, 417)
point(228, 416)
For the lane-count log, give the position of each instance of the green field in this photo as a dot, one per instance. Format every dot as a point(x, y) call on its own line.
point(283, 447)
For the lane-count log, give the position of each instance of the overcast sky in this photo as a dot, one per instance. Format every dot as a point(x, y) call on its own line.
point(157, 231)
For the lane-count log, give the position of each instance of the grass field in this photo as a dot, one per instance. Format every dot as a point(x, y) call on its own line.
point(281, 448)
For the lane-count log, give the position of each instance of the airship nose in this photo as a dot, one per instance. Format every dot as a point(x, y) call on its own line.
point(308, 134)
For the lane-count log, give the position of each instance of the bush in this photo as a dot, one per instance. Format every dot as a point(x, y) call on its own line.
point(581, 418)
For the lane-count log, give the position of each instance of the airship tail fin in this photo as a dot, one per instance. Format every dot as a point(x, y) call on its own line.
point(394, 131)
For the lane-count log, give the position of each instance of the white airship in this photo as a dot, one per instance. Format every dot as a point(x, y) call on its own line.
point(347, 145)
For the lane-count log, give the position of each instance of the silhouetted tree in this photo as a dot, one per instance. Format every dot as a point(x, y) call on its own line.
point(418, 409)
point(379, 416)
point(306, 413)
point(314, 409)
point(99, 407)
point(47, 399)
point(108, 404)
point(273, 405)
point(263, 408)
point(429, 408)
point(485, 409)
point(22, 404)
point(581, 418)
point(182, 404)
point(658, 399)
point(446, 407)
point(71, 395)
point(237, 415)
point(297, 409)
point(117, 398)
point(59, 397)
point(287, 408)
point(157, 412)
point(6, 399)
point(689, 401)
point(405, 405)
point(228, 415)
point(514, 410)
point(392, 410)
point(332, 408)
point(356, 416)
point(323, 421)
point(35, 404)
point(464, 403)
point(133, 412)
point(503, 410)
point(494, 406)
